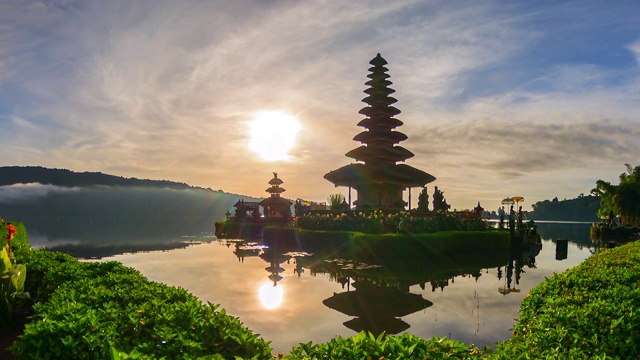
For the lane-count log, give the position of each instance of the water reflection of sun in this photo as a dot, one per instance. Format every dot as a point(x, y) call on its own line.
point(273, 134)
point(270, 296)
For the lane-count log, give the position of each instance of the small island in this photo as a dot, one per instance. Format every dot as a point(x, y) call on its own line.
point(379, 219)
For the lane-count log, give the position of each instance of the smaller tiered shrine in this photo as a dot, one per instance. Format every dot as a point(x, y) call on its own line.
point(275, 206)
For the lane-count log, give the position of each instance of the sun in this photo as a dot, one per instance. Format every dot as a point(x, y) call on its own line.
point(270, 296)
point(273, 134)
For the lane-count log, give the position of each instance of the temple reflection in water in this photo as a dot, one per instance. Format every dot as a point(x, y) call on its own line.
point(378, 295)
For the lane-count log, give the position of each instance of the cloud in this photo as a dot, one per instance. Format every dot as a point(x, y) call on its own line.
point(635, 49)
point(166, 91)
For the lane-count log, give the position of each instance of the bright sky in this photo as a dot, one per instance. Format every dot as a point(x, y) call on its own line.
point(499, 98)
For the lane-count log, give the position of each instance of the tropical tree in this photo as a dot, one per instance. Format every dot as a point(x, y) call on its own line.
point(624, 198)
point(337, 202)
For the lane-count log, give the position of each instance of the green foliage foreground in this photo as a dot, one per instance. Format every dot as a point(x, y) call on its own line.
point(367, 346)
point(88, 310)
point(106, 310)
point(591, 311)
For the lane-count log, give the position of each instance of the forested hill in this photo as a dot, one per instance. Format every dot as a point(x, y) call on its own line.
point(10, 175)
point(98, 199)
point(582, 208)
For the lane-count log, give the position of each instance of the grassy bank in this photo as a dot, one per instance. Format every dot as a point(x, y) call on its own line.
point(84, 310)
point(591, 311)
point(105, 310)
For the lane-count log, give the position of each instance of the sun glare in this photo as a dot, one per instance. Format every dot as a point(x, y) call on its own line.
point(270, 296)
point(273, 134)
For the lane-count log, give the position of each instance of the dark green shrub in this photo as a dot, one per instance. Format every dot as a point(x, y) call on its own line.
point(379, 222)
point(590, 311)
point(19, 243)
point(109, 305)
point(366, 346)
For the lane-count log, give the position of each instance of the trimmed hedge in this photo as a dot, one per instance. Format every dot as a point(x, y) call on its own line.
point(106, 310)
point(406, 346)
point(94, 310)
point(591, 311)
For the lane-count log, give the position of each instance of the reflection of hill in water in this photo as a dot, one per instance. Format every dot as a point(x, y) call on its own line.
point(89, 238)
point(575, 232)
point(403, 274)
point(108, 220)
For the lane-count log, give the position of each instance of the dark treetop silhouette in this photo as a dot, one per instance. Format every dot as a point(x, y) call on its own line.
point(379, 181)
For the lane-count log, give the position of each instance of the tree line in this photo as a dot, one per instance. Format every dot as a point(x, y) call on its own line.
point(622, 199)
point(582, 208)
point(10, 175)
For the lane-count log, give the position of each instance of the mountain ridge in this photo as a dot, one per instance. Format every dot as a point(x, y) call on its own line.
point(11, 175)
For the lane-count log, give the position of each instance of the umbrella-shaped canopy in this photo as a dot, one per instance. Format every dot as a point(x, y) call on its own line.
point(504, 290)
point(274, 201)
point(379, 302)
point(517, 199)
point(274, 269)
point(275, 180)
point(275, 190)
point(508, 201)
point(356, 175)
point(377, 326)
point(507, 290)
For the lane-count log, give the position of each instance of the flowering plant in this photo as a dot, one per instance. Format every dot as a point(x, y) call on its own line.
point(11, 230)
point(12, 277)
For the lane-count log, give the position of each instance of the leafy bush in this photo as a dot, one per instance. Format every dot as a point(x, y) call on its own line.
point(47, 271)
point(12, 274)
point(19, 242)
point(98, 307)
point(379, 222)
point(590, 311)
point(12, 277)
point(366, 346)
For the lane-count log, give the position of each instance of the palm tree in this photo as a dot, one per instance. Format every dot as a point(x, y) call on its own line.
point(336, 201)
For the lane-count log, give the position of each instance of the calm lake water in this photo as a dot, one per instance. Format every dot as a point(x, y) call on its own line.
point(474, 299)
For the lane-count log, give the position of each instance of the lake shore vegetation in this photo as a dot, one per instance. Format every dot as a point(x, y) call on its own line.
point(106, 310)
point(381, 222)
point(588, 312)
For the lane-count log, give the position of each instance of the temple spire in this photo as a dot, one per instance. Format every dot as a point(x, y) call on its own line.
point(378, 178)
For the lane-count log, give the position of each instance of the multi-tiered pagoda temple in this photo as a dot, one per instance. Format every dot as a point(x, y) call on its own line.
point(377, 178)
point(276, 206)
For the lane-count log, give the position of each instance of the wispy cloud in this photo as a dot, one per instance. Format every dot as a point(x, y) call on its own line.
point(165, 90)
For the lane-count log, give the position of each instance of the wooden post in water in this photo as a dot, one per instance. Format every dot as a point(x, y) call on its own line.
point(562, 249)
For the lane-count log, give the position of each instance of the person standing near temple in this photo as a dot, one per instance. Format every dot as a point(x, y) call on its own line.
point(512, 220)
point(501, 215)
point(520, 218)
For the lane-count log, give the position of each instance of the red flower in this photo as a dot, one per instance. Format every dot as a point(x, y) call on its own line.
point(11, 229)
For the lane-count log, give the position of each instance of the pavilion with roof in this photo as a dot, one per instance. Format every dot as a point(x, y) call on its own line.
point(376, 176)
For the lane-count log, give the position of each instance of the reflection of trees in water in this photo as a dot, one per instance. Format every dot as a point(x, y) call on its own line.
point(575, 233)
point(102, 237)
point(383, 286)
point(384, 290)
